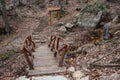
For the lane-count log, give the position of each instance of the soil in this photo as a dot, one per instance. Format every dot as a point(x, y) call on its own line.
point(29, 18)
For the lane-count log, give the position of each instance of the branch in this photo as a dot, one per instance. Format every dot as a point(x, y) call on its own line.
point(104, 65)
point(107, 54)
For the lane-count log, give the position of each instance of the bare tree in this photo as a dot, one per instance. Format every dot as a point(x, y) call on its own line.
point(20, 2)
point(4, 16)
point(13, 6)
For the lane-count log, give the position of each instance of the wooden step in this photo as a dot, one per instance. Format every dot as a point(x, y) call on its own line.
point(45, 65)
point(43, 57)
point(40, 54)
point(53, 66)
point(35, 33)
point(48, 72)
point(37, 41)
point(35, 38)
point(43, 50)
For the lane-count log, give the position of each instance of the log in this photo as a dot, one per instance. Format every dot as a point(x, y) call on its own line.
point(103, 65)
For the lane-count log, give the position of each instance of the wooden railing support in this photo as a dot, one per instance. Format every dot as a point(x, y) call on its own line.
point(30, 64)
point(59, 50)
point(64, 49)
point(27, 49)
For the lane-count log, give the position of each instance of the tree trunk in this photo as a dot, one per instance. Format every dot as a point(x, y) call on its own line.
point(13, 3)
point(4, 16)
point(20, 2)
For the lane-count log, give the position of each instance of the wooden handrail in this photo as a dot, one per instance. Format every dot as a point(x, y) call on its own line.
point(59, 49)
point(27, 49)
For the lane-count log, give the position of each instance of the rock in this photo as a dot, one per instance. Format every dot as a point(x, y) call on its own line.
point(62, 29)
point(104, 78)
point(85, 48)
point(49, 78)
point(85, 78)
point(60, 23)
point(111, 28)
point(71, 69)
point(89, 22)
point(106, 34)
point(114, 76)
point(78, 8)
point(22, 78)
point(77, 75)
point(89, 16)
point(69, 25)
point(117, 33)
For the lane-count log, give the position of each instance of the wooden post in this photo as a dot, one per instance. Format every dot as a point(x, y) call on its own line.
point(56, 46)
point(50, 10)
point(53, 43)
point(58, 15)
point(57, 43)
point(50, 18)
point(27, 59)
point(61, 59)
point(50, 41)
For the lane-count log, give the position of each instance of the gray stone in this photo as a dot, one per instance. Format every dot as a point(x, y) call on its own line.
point(69, 25)
point(85, 78)
point(77, 75)
point(106, 34)
point(89, 16)
point(60, 23)
point(49, 78)
point(62, 29)
point(85, 48)
point(22, 78)
point(117, 33)
point(71, 69)
point(111, 28)
point(114, 76)
point(88, 20)
point(104, 78)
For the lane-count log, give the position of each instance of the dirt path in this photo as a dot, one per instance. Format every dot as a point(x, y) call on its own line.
point(13, 63)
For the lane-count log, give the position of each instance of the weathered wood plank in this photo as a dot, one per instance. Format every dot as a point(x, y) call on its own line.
point(43, 57)
point(45, 65)
point(47, 68)
point(38, 73)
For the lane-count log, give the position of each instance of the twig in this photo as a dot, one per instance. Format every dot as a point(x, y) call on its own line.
point(104, 65)
point(107, 54)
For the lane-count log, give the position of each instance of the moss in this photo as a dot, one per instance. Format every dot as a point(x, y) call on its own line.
point(7, 54)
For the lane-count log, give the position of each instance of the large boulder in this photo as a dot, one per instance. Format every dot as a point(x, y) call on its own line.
point(89, 17)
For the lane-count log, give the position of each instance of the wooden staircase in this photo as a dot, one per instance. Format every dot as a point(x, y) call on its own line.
point(43, 61)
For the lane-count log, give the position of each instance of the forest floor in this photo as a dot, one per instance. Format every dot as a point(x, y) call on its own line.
point(12, 62)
